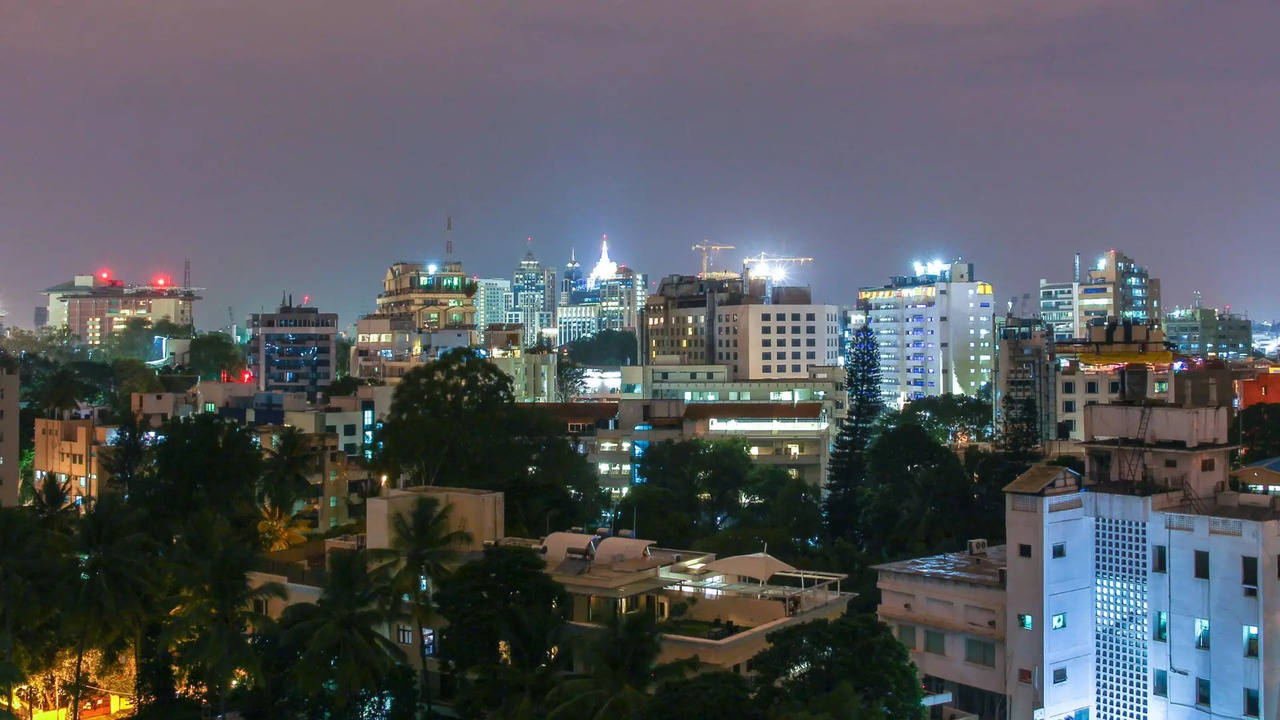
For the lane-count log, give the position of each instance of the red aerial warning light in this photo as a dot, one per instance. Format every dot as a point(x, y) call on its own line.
point(160, 281)
point(104, 274)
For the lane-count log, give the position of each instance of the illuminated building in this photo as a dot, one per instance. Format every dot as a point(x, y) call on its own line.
point(9, 455)
point(1206, 332)
point(572, 281)
point(1264, 387)
point(433, 296)
point(779, 340)
point(1058, 308)
point(69, 452)
point(681, 317)
point(934, 331)
point(92, 307)
point(534, 297)
point(1144, 588)
point(611, 297)
point(293, 349)
point(493, 301)
point(326, 469)
point(1117, 287)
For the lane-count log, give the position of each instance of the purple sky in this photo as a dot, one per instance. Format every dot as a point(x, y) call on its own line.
point(305, 146)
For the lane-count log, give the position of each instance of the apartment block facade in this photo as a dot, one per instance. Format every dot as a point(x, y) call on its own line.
point(934, 330)
point(294, 349)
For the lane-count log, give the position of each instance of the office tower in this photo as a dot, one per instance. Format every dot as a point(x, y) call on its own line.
point(1117, 287)
point(1209, 332)
point(533, 297)
point(293, 349)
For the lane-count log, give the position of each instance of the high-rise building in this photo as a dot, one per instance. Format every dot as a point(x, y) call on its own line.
point(294, 349)
point(1208, 332)
point(1058, 308)
point(573, 280)
point(1117, 287)
point(92, 307)
point(934, 329)
point(9, 456)
point(681, 316)
point(493, 301)
point(534, 296)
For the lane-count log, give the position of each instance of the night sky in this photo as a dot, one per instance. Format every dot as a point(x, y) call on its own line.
point(304, 146)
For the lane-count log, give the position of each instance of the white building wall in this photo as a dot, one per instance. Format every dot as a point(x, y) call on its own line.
point(810, 336)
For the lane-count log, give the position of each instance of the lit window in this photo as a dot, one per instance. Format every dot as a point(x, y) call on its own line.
point(1026, 622)
point(1202, 633)
point(1251, 641)
point(1059, 621)
point(1160, 633)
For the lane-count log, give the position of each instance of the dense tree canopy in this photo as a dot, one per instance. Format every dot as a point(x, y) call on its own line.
point(605, 348)
point(455, 422)
point(951, 418)
point(214, 353)
point(825, 659)
point(1260, 432)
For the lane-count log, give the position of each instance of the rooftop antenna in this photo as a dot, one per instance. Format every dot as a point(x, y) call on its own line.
point(186, 273)
point(1077, 267)
point(1197, 297)
point(448, 238)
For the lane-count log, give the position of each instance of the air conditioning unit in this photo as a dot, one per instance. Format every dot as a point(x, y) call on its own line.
point(978, 546)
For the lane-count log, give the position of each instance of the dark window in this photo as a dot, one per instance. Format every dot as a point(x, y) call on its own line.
point(1249, 572)
point(1024, 551)
point(935, 642)
point(1160, 683)
point(1202, 565)
point(1171, 463)
point(1059, 675)
point(809, 316)
point(795, 317)
point(1206, 465)
point(1068, 388)
point(1250, 702)
point(795, 368)
point(980, 652)
point(1091, 387)
point(1202, 691)
point(1159, 558)
point(348, 429)
point(764, 316)
point(1059, 550)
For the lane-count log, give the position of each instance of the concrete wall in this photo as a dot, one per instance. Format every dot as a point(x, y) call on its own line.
point(479, 513)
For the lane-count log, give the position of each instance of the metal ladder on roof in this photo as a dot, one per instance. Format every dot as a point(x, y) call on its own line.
point(1134, 460)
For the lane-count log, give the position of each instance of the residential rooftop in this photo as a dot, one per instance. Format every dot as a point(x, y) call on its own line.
point(972, 568)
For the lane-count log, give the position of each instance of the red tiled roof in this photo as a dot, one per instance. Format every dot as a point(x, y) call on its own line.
point(704, 411)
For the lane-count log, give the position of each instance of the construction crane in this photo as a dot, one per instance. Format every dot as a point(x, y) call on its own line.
point(706, 247)
point(771, 267)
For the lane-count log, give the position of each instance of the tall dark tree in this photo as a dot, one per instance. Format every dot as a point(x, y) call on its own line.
point(478, 597)
point(807, 664)
point(426, 545)
point(446, 419)
point(344, 659)
point(706, 696)
point(1259, 432)
point(108, 600)
point(289, 461)
point(214, 353)
point(1020, 434)
point(622, 662)
point(847, 465)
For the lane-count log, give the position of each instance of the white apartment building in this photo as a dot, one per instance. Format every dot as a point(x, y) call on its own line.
point(1145, 589)
point(493, 300)
point(934, 330)
point(764, 342)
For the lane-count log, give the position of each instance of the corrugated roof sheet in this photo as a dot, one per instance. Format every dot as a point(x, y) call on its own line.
point(1036, 479)
point(958, 566)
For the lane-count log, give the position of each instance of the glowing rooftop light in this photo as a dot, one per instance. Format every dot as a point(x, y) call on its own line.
point(1102, 263)
point(105, 274)
point(432, 268)
point(605, 268)
point(160, 281)
point(778, 275)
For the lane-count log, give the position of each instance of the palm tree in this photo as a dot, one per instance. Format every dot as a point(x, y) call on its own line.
point(108, 599)
point(60, 393)
point(426, 545)
point(280, 531)
point(284, 475)
point(52, 506)
point(337, 638)
point(30, 569)
point(622, 660)
point(216, 612)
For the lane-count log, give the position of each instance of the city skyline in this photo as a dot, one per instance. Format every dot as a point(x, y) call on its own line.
point(312, 153)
